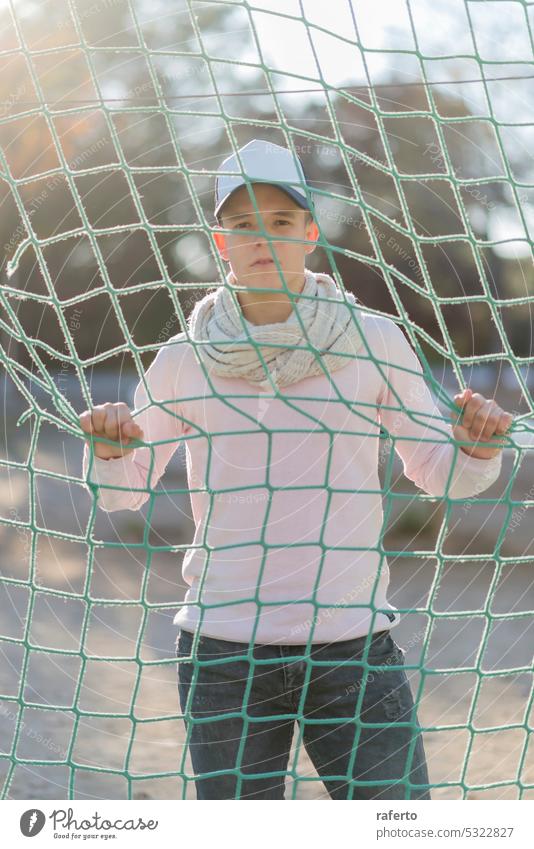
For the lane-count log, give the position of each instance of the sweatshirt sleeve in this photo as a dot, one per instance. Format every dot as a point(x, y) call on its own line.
point(413, 416)
point(123, 481)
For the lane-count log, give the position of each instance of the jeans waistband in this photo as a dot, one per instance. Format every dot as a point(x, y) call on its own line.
point(355, 642)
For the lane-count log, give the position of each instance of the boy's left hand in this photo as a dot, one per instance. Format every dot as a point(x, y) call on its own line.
point(482, 420)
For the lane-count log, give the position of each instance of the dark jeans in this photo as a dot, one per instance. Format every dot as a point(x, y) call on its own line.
point(242, 712)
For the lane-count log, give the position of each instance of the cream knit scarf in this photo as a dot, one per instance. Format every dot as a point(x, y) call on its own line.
point(330, 328)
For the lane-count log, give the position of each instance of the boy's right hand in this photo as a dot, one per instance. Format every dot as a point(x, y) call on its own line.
point(112, 421)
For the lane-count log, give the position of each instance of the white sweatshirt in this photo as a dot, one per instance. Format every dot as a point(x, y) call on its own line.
point(285, 492)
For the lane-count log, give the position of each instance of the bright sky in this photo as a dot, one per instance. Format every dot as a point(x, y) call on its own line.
point(434, 27)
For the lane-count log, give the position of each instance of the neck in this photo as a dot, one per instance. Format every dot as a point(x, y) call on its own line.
point(269, 307)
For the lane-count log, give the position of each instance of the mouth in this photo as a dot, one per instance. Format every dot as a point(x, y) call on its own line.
point(263, 262)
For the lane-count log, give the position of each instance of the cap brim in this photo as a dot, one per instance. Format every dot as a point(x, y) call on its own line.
point(289, 190)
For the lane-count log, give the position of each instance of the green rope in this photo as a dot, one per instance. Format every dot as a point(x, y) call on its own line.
point(60, 413)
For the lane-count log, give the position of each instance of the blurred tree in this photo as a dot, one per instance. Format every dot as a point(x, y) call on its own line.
point(83, 168)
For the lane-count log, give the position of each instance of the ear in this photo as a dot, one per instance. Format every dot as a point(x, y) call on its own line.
point(312, 234)
point(220, 241)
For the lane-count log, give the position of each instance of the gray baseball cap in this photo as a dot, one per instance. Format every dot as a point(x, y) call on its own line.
point(262, 161)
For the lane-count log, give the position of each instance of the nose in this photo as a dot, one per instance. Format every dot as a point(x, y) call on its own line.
point(265, 240)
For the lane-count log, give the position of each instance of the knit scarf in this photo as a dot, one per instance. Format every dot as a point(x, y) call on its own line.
point(328, 329)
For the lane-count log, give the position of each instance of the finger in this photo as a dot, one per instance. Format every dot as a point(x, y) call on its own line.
point(106, 420)
point(486, 421)
point(122, 417)
point(85, 421)
point(131, 429)
point(460, 399)
point(111, 424)
point(491, 427)
point(463, 396)
point(475, 403)
point(492, 423)
point(505, 422)
point(480, 420)
point(98, 417)
point(116, 415)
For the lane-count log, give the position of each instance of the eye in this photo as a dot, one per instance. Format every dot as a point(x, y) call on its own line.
point(282, 221)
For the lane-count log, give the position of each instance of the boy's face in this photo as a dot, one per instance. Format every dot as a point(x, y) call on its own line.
point(251, 256)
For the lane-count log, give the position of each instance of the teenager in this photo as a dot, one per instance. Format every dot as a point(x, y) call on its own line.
point(279, 388)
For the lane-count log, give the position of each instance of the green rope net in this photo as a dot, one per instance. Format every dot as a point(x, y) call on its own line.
point(416, 159)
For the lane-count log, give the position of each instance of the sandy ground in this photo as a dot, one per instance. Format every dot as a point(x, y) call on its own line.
point(154, 744)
